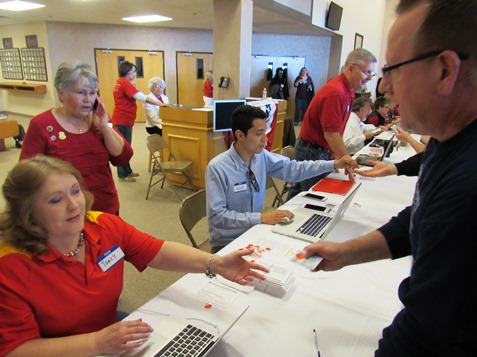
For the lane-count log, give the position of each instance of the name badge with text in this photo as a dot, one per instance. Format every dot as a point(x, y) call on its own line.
point(240, 186)
point(110, 258)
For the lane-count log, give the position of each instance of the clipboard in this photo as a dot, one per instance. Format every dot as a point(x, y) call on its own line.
point(330, 185)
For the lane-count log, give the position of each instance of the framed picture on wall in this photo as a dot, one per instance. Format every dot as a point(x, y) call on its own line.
point(358, 41)
point(31, 41)
point(7, 42)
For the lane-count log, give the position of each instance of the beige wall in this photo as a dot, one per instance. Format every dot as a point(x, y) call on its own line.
point(65, 41)
point(28, 103)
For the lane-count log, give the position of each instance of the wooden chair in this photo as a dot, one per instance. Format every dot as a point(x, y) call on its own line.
point(158, 146)
point(192, 210)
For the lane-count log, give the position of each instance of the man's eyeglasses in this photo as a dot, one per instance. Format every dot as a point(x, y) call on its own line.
point(387, 69)
point(368, 73)
point(253, 180)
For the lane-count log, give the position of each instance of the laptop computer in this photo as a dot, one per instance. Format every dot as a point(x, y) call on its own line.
point(312, 224)
point(177, 336)
point(385, 147)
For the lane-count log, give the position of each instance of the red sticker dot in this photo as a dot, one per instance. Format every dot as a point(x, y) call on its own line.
point(300, 256)
point(207, 306)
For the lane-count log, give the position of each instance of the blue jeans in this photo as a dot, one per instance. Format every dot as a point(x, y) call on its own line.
point(300, 108)
point(306, 151)
point(126, 131)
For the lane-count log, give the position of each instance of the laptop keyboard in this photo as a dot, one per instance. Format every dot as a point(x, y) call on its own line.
point(191, 341)
point(314, 225)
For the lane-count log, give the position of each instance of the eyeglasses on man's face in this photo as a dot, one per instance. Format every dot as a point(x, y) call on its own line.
point(253, 180)
point(387, 69)
point(367, 73)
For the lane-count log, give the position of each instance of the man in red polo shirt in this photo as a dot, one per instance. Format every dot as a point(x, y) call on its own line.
point(325, 119)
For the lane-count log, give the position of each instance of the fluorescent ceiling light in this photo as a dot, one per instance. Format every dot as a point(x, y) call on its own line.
point(147, 18)
point(19, 5)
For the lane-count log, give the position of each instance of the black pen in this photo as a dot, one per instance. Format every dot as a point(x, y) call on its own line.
point(315, 336)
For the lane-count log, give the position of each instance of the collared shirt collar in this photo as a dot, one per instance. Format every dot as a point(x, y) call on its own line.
point(237, 159)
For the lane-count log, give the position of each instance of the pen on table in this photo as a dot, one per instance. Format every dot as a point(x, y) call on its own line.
point(315, 336)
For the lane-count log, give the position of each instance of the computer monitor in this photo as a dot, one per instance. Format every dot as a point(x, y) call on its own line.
point(223, 110)
point(333, 17)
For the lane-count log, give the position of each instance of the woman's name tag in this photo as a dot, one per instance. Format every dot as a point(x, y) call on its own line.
point(110, 258)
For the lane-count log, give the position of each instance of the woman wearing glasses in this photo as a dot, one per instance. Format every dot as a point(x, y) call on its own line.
point(153, 119)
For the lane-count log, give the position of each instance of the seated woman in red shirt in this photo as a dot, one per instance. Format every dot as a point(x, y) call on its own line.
point(379, 117)
point(62, 266)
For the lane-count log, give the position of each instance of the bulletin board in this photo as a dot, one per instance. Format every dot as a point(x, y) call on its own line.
point(34, 64)
point(11, 63)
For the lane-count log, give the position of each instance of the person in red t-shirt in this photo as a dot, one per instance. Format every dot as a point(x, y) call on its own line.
point(209, 89)
point(124, 114)
point(62, 266)
point(325, 119)
point(77, 132)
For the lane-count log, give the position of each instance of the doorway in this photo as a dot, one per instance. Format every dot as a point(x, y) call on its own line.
point(191, 69)
point(148, 63)
point(260, 66)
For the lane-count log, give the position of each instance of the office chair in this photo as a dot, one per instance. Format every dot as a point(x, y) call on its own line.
point(157, 145)
point(192, 210)
point(288, 151)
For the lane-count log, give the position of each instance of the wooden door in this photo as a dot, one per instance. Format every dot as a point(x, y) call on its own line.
point(191, 68)
point(149, 64)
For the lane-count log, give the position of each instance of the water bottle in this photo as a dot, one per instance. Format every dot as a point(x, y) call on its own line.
point(264, 93)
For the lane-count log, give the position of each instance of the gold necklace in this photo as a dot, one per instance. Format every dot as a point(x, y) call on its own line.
point(79, 129)
point(75, 253)
point(70, 121)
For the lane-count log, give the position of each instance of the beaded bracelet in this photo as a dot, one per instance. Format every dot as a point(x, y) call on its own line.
point(207, 267)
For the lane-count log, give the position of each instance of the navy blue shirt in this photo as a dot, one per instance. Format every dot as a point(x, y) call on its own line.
point(439, 230)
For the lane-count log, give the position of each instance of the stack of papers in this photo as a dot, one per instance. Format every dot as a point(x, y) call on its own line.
point(277, 282)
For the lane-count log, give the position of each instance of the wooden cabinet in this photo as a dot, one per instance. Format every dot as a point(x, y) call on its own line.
point(23, 87)
point(189, 133)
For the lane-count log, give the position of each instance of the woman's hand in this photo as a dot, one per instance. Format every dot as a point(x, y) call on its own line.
point(121, 336)
point(100, 116)
point(234, 268)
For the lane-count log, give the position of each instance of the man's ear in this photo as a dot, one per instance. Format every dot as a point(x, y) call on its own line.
point(449, 67)
point(239, 134)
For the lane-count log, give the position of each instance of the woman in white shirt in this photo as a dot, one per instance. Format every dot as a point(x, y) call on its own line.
point(153, 120)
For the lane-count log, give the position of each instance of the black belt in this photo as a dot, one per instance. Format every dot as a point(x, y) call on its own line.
point(308, 144)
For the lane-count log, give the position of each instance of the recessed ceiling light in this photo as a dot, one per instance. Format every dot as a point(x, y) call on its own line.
point(147, 18)
point(17, 5)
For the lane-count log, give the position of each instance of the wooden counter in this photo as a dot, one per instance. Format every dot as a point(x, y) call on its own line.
point(189, 133)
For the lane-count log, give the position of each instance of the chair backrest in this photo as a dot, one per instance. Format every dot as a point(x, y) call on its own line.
point(192, 210)
point(156, 143)
point(289, 151)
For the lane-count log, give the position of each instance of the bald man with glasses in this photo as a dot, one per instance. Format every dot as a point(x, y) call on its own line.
point(321, 135)
point(433, 76)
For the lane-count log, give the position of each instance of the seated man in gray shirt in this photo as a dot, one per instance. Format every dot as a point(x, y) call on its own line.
point(236, 179)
